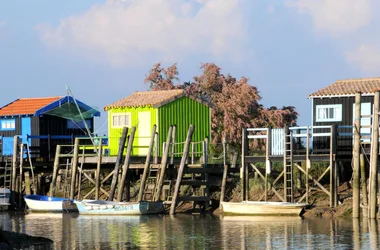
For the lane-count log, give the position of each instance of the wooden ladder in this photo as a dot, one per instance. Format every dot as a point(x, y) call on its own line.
point(288, 166)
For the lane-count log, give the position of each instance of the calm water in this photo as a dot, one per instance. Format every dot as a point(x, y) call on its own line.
point(73, 231)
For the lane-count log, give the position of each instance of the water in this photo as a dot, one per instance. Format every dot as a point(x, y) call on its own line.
point(73, 231)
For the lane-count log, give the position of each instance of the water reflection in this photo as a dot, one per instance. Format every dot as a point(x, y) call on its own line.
point(73, 231)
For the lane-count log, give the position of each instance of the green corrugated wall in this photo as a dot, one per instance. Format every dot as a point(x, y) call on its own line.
point(115, 133)
point(182, 113)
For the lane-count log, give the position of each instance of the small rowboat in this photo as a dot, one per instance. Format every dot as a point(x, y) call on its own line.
point(263, 208)
point(99, 207)
point(40, 203)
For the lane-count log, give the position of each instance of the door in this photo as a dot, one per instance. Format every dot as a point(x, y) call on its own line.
point(144, 132)
point(25, 129)
point(8, 146)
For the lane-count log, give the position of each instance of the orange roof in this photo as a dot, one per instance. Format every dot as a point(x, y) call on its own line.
point(26, 106)
point(349, 87)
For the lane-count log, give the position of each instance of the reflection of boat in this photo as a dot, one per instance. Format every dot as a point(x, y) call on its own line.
point(263, 208)
point(40, 203)
point(99, 207)
point(5, 194)
point(261, 219)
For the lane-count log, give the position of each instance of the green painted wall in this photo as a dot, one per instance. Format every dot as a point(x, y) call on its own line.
point(115, 133)
point(183, 112)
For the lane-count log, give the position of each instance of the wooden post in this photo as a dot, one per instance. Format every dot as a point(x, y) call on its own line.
point(356, 163)
point(79, 186)
point(157, 151)
point(364, 186)
point(173, 145)
point(164, 162)
point(127, 161)
point(74, 168)
point(374, 158)
point(122, 140)
point(205, 161)
point(181, 168)
point(225, 170)
point(27, 183)
point(98, 166)
point(14, 164)
point(243, 172)
point(332, 166)
point(307, 164)
point(20, 195)
point(267, 160)
point(55, 171)
point(147, 165)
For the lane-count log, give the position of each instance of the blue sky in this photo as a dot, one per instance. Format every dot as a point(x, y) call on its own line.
point(104, 49)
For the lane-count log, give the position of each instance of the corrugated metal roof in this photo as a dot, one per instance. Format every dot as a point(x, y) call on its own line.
point(349, 87)
point(148, 98)
point(26, 106)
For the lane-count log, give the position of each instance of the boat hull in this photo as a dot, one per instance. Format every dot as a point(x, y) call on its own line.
point(5, 195)
point(263, 208)
point(98, 207)
point(40, 203)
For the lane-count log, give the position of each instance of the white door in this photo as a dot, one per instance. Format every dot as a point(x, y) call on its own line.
point(144, 132)
point(366, 109)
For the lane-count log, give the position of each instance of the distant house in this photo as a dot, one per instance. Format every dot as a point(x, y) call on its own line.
point(163, 108)
point(334, 104)
point(44, 123)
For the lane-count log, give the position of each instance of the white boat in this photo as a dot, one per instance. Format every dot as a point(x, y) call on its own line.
point(40, 203)
point(99, 207)
point(5, 195)
point(263, 208)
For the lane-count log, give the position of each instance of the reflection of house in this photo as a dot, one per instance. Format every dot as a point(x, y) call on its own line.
point(334, 105)
point(44, 123)
point(163, 108)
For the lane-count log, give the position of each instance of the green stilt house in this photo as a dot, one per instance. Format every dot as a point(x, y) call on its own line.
point(163, 108)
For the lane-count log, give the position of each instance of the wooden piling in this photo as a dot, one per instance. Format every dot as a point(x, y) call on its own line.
point(181, 169)
point(174, 134)
point(74, 168)
point(267, 161)
point(14, 165)
point(20, 195)
point(127, 161)
point(374, 158)
point(164, 162)
point(98, 166)
point(307, 165)
point(225, 171)
point(55, 171)
point(147, 165)
point(122, 140)
point(243, 173)
point(27, 183)
point(333, 194)
point(356, 162)
point(364, 186)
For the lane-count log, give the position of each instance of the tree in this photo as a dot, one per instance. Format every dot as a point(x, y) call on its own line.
point(235, 102)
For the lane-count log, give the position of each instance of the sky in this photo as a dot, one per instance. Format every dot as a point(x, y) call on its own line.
point(103, 49)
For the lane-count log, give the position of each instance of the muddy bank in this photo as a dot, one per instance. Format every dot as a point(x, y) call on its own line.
point(12, 240)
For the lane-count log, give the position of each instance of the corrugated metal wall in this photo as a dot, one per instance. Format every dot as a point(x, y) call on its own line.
point(115, 133)
point(182, 113)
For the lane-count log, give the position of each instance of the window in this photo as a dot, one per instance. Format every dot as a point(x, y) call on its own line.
point(121, 120)
point(329, 113)
point(8, 124)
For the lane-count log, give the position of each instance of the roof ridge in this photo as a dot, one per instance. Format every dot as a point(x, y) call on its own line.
point(35, 98)
point(358, 79)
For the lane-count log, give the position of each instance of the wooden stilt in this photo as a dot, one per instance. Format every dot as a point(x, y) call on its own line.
point(185, 155)
point(27, 183)
point(225, 171)
point(20, 192)
point(243, 173)
point(364, 187)
point(122, 140)
point(55, 171)
point(307, 165)
point(147, 165)
point(164, 161)
point(14, 164)
point(332, 167)
point(74, 168)
point(356, 163)
point(174, 134)
point(268, 152)
point(98, 166)
point(127, 161)
point(374, 158)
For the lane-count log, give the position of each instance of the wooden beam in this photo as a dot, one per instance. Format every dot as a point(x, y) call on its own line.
point(356, 161)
